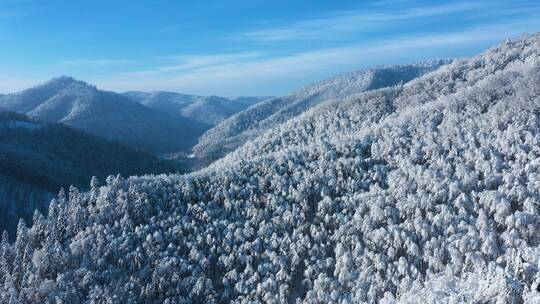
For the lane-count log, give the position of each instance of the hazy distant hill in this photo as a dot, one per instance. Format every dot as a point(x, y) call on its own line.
point(106, 114)
point(208, 110)
point(37, 159)
point(248, 124)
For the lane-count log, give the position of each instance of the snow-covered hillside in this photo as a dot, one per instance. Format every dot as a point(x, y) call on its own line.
point(209, 110)
point(250, 123)
point(37, 159)
point(105, 114)
point(428, 190)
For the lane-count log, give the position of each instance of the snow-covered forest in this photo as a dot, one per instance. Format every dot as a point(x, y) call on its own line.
point(247, 125)
point(425, 190)
point(39, 158)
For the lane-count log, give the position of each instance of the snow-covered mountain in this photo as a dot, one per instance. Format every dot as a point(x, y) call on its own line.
point(209, 110)
point(37, 159)
point(105, 114)
point(250, 123)
point(427, 190)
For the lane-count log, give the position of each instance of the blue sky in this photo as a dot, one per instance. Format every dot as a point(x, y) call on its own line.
point(239, 47)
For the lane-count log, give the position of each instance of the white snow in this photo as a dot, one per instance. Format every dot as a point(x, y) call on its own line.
point(268, 114)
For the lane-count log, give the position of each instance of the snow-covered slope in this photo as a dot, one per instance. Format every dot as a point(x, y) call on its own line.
point(37, 159)
point(390, 195)
point(250, 123)
point(208, 110)
point(106, 114)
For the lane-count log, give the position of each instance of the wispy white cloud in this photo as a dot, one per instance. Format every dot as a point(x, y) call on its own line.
point(96, 62)
point(15, 84)
point(164, 64)
point(381, 15)
point(274, 71)
point(249, 77)
point(190, 62)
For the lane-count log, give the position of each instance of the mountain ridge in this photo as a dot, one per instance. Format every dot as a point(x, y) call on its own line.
point(205, 109)
point(105, 114)
point(246, 125)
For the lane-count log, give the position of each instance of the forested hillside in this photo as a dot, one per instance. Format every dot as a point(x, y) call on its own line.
point(106, 114)
point(37, 159)
point(427, 190)
point(209, 110)
point(246, 125)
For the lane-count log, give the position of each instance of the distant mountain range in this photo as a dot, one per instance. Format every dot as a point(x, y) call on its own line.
point(105, 114)
point(248, 124)
point(66, 131)
point(209, 110)
point(38, 158)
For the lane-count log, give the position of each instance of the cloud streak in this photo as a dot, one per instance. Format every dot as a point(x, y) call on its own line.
point(197, 62)
point(236, 74)
point(383, 15)
point(273, 60)
point(97, 62)
point(15, 84)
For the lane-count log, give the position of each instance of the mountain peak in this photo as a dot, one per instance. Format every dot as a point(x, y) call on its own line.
point(63, 82)
point(66, 78)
